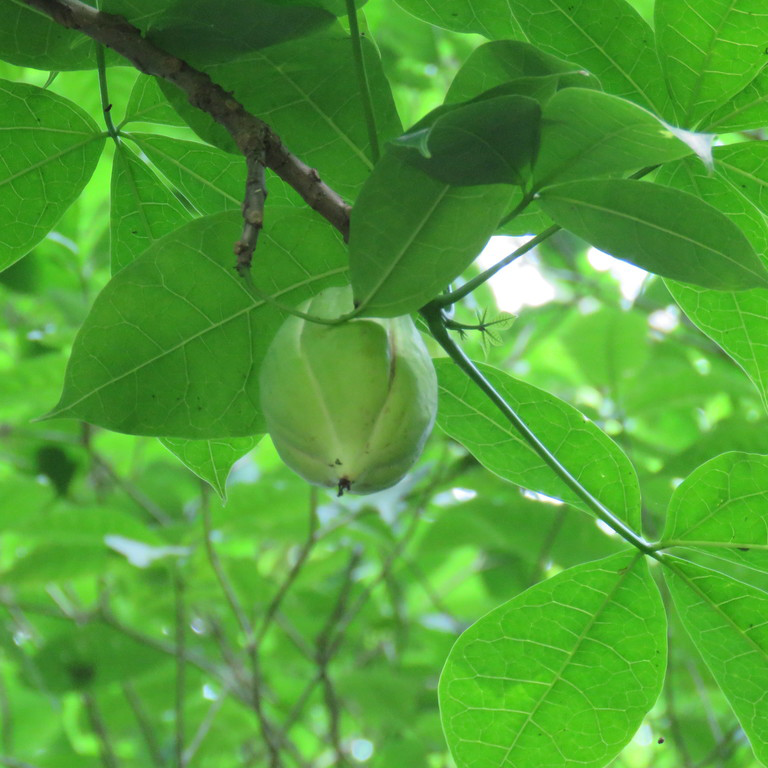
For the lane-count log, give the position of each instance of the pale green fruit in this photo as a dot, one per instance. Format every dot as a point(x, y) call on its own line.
point(348, 406)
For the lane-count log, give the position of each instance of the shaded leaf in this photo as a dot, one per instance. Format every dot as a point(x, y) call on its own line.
point(491, 141)
point(513, 61)
point(494, 21)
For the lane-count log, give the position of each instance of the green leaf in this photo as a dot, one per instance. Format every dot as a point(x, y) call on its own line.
point(148, 104)
point(562, 674)
point(411, 235)
point(491, 141)
point(726, 621)
point(469, 417)
point(747, 110)
point(212, 180)
point(663, 230)
point(185, 29)
point(738, 322)
point(173, 344)
point(606, 37)
point(510, 61)
point(587, 133)
point(28, 38)
point(307, 92)
point(710, 51)
point(142, 209)
point(723, 507)
point(211, 460)
point(494, 20)
point(745, 167)
point(49, 149)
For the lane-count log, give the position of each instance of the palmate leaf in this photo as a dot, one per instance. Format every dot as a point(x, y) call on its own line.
point(663, 230)
point(710, 51)
point(726, 620)
point(561, 674)
point(173, 344)
point(49, 149)
point(469, 417)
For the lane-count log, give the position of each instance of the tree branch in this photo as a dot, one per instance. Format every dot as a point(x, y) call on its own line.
point(254, 138)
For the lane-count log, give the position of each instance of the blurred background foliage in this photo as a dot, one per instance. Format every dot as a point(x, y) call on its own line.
point(138, 607)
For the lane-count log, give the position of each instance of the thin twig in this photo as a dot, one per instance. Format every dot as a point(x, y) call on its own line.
point(108, 756)
point(293, 573)
point(181, 665)
point(144, 723)
point(205, 726)
point(253, 211)
point(6, 719)
point(249, 133)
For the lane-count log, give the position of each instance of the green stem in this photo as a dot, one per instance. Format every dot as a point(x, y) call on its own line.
point(451, 298)
point(106, 105)
point(433, 315)
point(362, 77)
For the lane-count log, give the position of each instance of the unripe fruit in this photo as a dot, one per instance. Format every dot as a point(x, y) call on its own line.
point(348, 406)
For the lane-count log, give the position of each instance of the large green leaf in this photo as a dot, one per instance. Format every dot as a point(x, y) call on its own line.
point(142, 210)
point(510, 61)
point(607, 37)
point(494, 20)
point(726, 621)
point(562, 674)
point(745, 167)
point(587, 133)
point(663, 230)
point(211, 460)
point(411, 235)
point(49, 148)
point(710, 51)
point(469, 417)
point(212, 180)
point(737, 321)
point(308, 93)
point(148, 104)
point(173, 343)
point(723, 507)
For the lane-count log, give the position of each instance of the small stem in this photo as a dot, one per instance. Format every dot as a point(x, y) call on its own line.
point(108, 757)
point(433, 314)
point(106, 105)
point(144, 723)
point(451, 298)
point(362, 79)
point(518, 209)
point(181, 666)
